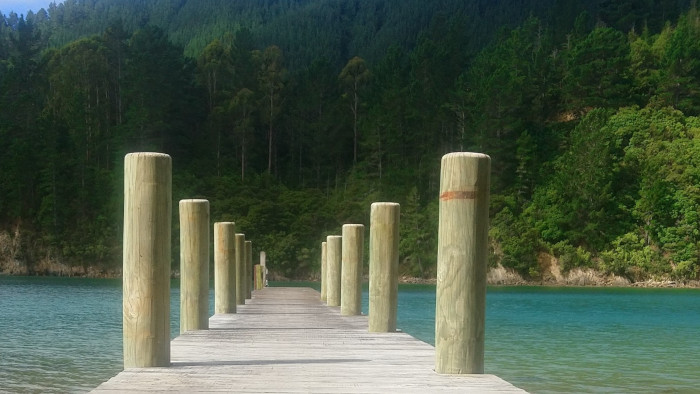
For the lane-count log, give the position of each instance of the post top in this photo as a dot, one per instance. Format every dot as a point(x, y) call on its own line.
point(147, 154)
point(334, 237)
point(249, 242)
point(388, 204)
point(240, 235)
point(194, 201)
point(474, 155)
point(224, 223)
point(350, 225)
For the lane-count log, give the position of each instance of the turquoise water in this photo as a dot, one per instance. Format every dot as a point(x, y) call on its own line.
point(549, 340)
point(64, 335)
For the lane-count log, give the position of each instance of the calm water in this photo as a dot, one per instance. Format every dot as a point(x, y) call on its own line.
point(63, 334)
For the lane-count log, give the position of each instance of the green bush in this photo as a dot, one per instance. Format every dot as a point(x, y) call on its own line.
point(686, 270)
point(518, 242)
point(571, 257)
point(632, 258)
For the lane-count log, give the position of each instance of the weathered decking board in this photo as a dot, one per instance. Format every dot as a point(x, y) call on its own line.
point(287, 341)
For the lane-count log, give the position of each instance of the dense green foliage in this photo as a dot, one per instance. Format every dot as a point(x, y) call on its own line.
point(588, 111)
point(339, 29)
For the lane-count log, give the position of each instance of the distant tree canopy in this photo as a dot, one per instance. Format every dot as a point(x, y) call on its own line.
point(293, 117)
point(341, 29)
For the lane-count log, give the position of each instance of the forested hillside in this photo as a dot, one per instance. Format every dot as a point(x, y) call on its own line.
point(306, 30)
point(291, 117)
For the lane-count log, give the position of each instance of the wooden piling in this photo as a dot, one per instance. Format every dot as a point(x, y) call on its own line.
point(224, 267)
point(248, 269)
point(240, 269)
point(259, 282)
point(461, 263)
point(324, 281)
point(194, 265)
point(146, 264)
point(352, 256)
point(264, 267)
point(383, 266)
point(333, 265)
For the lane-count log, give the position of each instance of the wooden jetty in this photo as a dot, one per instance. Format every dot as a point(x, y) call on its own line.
point(285, 340)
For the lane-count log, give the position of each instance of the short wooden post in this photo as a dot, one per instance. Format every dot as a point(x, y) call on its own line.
point(194, 265)
point(259, 284)
point(146, 264)
point(383, 266)
point(264, 267)
point(461, 263)
point(324, 281)
point(248, 269)
point(240, 269)
point(351, 287)
point(333, 266)
point(224, 267)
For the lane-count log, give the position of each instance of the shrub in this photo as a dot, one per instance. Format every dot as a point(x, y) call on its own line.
point(632, 258)
point(571, 257)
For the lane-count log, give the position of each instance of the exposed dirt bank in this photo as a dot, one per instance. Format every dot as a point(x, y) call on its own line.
point(48, 267)
point(498, 276)
point(503, 277)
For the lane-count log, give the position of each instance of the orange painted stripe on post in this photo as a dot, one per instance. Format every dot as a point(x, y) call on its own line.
point(458, 195)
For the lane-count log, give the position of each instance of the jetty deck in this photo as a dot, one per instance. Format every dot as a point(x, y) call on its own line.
point(285, 340)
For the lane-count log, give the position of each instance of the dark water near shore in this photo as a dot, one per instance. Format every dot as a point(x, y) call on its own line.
point(64, 335)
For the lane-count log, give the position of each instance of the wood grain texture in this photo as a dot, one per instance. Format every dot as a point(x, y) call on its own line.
point(240, 269)
point(461, 263)
point(351, 268)
point(324, 281)
point(248, 269)
point(262, 262)
point(225, 267)
point(146, 264)
point(383, 266)
point(286, 341)
point(194, 265)
point(334, 257)
point(259, 282)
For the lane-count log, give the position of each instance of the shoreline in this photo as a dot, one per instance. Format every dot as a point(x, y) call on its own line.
point(611, 283)
point(692, 284)
point(496, 277)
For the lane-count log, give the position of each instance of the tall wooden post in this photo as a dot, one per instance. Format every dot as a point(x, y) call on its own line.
point(146, 265)
point(240, 269)
point(324, 281)
point(333, 266)
point(225, 267)
point(461, 263)
point(383, 266)
point(351, 287)
point(194, 265)
point(248, 269)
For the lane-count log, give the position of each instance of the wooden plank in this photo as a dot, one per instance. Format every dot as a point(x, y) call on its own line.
point(286, 341)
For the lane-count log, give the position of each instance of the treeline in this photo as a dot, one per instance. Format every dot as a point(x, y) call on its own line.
point(591, 129)
point(337, 30)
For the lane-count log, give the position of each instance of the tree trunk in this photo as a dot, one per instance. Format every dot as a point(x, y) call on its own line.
point(269, 135)
point(243, 155)
point(354, 124)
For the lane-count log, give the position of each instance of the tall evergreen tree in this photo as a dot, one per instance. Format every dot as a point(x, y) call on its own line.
point(354, 76)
